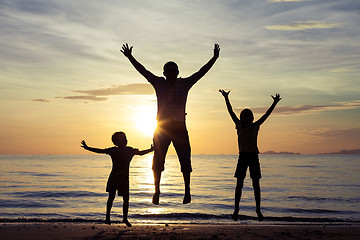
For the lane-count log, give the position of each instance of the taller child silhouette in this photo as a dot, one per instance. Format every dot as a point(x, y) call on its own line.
point(171, 93)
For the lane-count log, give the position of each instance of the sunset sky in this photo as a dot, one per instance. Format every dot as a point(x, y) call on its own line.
point(63, 78)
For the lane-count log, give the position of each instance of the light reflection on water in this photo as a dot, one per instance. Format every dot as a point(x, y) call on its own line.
point(68, 186)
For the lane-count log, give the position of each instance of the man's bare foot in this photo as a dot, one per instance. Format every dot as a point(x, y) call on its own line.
point(107, 221)
point(127, 223)
point(260, 216)
point(235, 215)
point(156, 197)
point(187, 198)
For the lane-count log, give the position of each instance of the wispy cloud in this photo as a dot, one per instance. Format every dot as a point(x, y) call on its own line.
point(303, 109)
point(41, 100)
point(289, 1)
point(100, 94)
point(90, 98)
point(342, 70)
point(340, 135)
point(304, 25)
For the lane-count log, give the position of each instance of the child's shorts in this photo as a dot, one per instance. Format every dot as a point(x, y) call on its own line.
point(246, 160)
point(119, 184)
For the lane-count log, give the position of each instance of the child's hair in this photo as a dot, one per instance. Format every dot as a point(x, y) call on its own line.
point(246, 116)
point(119, 139)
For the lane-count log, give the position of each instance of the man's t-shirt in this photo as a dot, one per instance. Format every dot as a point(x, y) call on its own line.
point(171, 98)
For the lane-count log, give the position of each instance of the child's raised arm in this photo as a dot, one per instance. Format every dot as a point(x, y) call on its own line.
point(143, 152)
point(276, 99)
point(95, 150)
point(228, 105)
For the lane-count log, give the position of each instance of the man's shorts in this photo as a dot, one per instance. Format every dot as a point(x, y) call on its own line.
point(246, 160)
point(175, 132)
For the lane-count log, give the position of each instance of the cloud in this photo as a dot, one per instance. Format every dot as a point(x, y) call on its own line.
point(41, 100)
point(340, 135)
point(303, 109)
point(303, 25)
point(100, 94)
point(276, 1)
point(342, 70)
point(91, 98)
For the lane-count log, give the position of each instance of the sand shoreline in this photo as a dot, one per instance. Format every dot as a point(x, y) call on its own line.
point(77, 231)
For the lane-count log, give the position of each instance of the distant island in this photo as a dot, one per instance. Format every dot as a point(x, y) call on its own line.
point(344, 151)
point(272, 152)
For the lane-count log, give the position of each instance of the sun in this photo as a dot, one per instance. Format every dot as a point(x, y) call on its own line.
point(145, 119)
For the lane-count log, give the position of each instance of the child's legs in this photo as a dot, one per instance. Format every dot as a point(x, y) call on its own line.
point(255, 174)
point(238, 192)
point(125, 206)
point(240, 175)
point(110, 203)
point(257, 193)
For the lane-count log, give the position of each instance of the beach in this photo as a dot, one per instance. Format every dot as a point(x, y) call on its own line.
point(77, 231)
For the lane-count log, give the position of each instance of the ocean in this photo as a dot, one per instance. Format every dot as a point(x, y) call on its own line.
point(295, 188)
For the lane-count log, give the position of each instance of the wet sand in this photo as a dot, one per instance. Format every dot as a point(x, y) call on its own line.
point(93, 231)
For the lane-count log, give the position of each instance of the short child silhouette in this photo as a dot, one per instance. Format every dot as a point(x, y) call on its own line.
point(121, 156)
point(247, 132)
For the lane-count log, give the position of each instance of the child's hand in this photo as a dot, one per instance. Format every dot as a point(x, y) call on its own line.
point(277, 98)
point(83, 144)
point(216, 50)
point(225, 94)
point(126, 50)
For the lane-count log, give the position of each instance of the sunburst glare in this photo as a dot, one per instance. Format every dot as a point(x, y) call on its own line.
point(145, 119)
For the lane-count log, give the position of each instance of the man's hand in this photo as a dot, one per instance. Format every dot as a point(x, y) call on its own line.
point(83, 144)
point(277, 98)
point(225, 94)
point(126, 50)
point(216, 50)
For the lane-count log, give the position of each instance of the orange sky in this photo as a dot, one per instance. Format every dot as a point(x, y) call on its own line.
point(63, 78)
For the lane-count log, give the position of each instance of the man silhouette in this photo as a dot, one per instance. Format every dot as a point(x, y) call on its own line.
point(171, 93)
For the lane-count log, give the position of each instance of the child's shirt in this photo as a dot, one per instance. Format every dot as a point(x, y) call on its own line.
point(247, 137)
point(121, 158)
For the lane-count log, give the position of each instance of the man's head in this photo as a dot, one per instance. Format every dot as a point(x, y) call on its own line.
point(171, 70)
point(119, 139)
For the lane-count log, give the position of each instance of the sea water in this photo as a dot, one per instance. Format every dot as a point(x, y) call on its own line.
point(304, 188)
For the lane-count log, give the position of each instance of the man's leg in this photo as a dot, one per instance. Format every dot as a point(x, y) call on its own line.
point(257, 195)
point(156, 196)
point(187, 196)
point(109, 206)
point(238, 192)
point(161, 145)
point(181, 144)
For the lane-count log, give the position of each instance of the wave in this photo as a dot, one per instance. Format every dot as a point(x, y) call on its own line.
point(188, 218)
point(57, 194)
point(26, 204)
point(35, 174)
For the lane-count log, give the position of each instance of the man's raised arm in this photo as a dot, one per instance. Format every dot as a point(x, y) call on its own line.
point(199, 74)
point(127, 51)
